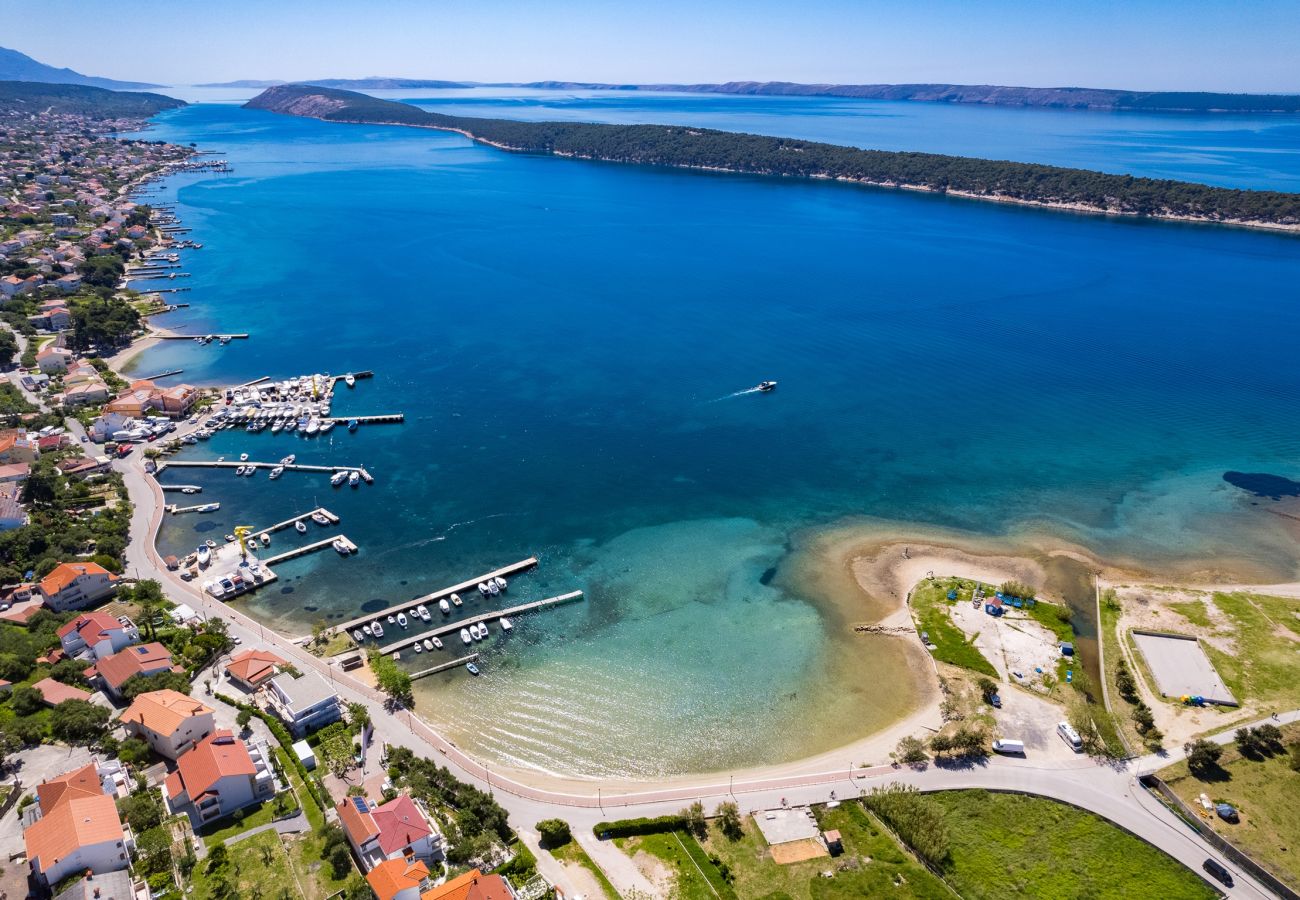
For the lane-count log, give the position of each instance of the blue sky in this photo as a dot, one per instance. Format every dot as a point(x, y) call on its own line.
point(1138, 44)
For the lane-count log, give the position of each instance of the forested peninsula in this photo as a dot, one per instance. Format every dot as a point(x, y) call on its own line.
point(703, 148)
point(39, 98)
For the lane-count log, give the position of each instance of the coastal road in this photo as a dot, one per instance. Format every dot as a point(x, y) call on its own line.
point(1109, 790)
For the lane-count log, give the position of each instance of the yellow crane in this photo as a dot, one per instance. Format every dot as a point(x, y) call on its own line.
point(241, 534)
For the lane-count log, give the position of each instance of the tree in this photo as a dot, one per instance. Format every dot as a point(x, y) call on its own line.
point(1143, 718)
point(218, 856)
point(695, 822)
point(729, 820)
point(358, 716)
point(917, 819)
point(243, 718)
point(940, 744)
point(1248, 743)
point(8, 347)
point(26, 700)
point(77, 721)
point(13, 667)
point(390, 679)
point(911, 750)
point(554, 832)
point(1270, 737)
point(335, 851)
point(142, 684)
point(142, 810)
point(153, 849)
point(1202, 756)
point(133, 751)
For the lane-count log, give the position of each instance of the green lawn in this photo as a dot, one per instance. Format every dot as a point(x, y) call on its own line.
point(930, 606)
point(1193, 611)
point(1007, 845)
point(1112, 653)
point(1266, 668)
point(314, 874)
point(693, 875)
point(216, 832)
point(258, 867)
point(572, 852)
point(1047, 615)
point(1266, 792)
point(314, 816)
point(877, 866)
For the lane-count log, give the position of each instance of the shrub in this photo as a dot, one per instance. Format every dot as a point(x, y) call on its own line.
point(917, 820)
point(554, 832)
point(634, 827)
point(911, 750)
point(729, 820)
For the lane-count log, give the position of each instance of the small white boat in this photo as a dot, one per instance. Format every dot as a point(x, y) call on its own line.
point(357, 636)
point(493, 590)
point(505, 624)
point(243, 457)
point(396, 655)
point(277, 426)
point(391, 618)
point(266, 539)
point(501, 582)
point(313, 426)
point(327, 426)
point(343, 549)
point(765, 386)
point(428, 644)
point(483, 588)
point(239, 470)
point(464, 636)
point(483, 629)
point(276, 472)
point(471, 668)
point(205, 556)
point(436, 643)
point(350, 380)
point(455, 600)
point(300, 526)
point(289, 460)
point(377, 629)
point(444, 606)
point(354, 478)
point(250, 471)
point(189, 490)
point(417, 648)
point(290, 425)
point(210, 544)
point(423, 612)
point(338, 478)
point(475, 633)
point(319, 518)
point(366, 628)
point(209, 507)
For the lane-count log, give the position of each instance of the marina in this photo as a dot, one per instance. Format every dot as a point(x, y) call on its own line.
point(470, 585)
point(236, 464)
point(312, 548)
point(443, 667)
point(289, 523)
point(190, 337)
point(481, 619)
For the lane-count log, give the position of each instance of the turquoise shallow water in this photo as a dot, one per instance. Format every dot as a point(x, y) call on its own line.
point(568, 341)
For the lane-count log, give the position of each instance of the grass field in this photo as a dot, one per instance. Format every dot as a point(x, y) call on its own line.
point(1007, 845)
point(1268, 668)
point(693, 878)
point(304, 854)
point(214, 833)
point(877, 866)
point(1112, 653)
point(1267, 794)
point(1193, 611)
point(572, 852)
point(930, 605)
point(258, 867)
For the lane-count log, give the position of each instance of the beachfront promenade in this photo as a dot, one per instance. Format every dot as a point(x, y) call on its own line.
point(1109, 790)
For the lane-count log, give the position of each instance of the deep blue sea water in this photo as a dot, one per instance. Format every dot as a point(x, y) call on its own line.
point(568, 340)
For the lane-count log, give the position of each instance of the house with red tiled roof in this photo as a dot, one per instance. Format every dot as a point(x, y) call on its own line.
point(112, 672)
point(217, 776)
point(168, 721)
point(15, 473)
point(398, 829)
point(75, 829)
point(142, 396)
point(53, 359)
point(473, 885)
point(252, 668)
point(96, 635)
point(398, 879)
point(75, 585)
point(56, 692)
point(17, 445)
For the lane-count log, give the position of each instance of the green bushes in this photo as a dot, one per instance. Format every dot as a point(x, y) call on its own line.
point(917, 820)
point(554, 832)
point(634, 827)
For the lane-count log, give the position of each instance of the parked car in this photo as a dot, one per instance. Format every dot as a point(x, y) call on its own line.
point(995, 701)
point(1217, 869)
point(1009, 745)
point(1227, 812)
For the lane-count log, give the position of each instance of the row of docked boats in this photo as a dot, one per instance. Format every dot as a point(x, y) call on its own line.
point(351, 476)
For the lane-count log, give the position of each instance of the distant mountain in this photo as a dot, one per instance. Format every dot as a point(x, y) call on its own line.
point(15, 66)
point(388, 84)
point(241, 83)
point(83, 100)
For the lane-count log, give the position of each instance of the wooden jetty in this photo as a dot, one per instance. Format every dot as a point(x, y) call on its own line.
point(177, 510)
point(454, 627)
point(434, 670)
point(471, 584)
point(309, 548)
point(167, 374)
point(235, 464)
point(280, 526)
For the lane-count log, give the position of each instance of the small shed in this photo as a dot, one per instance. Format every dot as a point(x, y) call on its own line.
point(833, 842)
point(306, 755)
point(1067, 649)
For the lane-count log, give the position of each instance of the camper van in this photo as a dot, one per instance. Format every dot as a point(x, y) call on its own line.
point(1009, 745)
point(1070, 736)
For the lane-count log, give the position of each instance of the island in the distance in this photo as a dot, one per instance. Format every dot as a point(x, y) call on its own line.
point(724, 151)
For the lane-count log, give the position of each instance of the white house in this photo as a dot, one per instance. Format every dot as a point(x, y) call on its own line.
point(76, 828)
point(217, 776)
point(168, 721)
point(303, 704)
point(95, 635)
point(398, 829)
point(75, 585)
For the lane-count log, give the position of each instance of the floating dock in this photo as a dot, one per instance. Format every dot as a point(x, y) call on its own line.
point(166, 374)
point(198, 489)
point(471, 584)
point(308, 548)
point(279, 526)
point(434, 670)
point(386, 419)
point(454, 627)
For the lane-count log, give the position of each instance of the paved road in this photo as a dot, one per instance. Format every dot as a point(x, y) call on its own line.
point(1109, 791)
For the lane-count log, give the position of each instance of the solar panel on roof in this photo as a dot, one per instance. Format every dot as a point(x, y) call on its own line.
point(360, 804)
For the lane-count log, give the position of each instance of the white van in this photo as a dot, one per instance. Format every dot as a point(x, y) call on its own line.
point(1070, 736)
point(1008, 745)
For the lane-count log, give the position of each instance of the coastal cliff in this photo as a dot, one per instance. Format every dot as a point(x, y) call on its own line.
point(724, 151)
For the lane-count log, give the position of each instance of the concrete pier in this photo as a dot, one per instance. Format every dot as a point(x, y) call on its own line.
point(235, 464)
point(434, 670)
point(308, 548)
point(279, 526)
point(454, 627)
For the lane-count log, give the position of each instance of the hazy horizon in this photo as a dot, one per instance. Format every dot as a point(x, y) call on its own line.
point(1139, 45)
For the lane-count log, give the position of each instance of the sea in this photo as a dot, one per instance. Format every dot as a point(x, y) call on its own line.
point(574, 346)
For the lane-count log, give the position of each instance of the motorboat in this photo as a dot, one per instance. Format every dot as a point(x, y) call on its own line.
point(341, 546)
point(357, 635)
point(319, 518)
point(378, 629)
point(476, 633)
point(493, 590)
point(230, 539)
point(210, 544)
point(209, 507)
point(189, 490)
point(338, 478)
point(277, 426)
point(350, 380)
point(417, 647)
point(436, 643)
point(300, 526)
point(444, 606)
point(471, 668)
point(326, 426)
point(366, 629)
point(239, 471)
point(243, 457)
point(455, 600)
point(500, 582)
point(483, 629)
point(250, 471)
point(352, 424)
point(464, 636)
point(276, 472)
point(392, 619)
point(423, 612)
point(216, 590)
point(313, 426)
point(483, 588)
point(290, 425)
point(396, 655)
point(266, 539)
point(289, 460)
point(505, 624)
point(354, 478)
point(765, 386)
point(428, 645)
point(205, 557)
